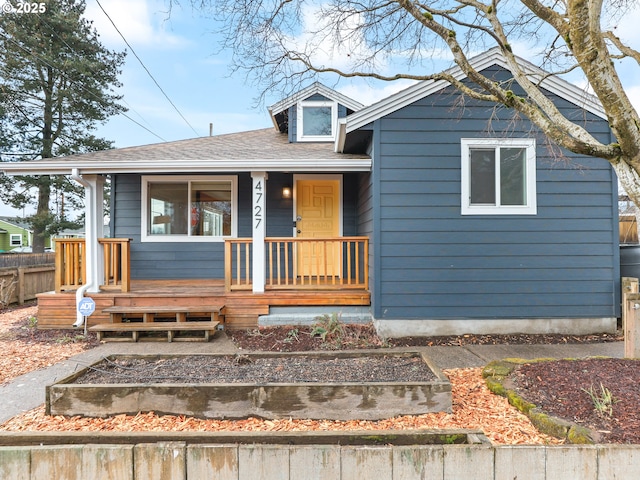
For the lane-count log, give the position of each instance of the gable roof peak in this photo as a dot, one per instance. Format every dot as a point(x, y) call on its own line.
point(489, 58)
point(313, 89)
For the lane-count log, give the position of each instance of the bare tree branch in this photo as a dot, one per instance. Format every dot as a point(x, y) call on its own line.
point(282, 43)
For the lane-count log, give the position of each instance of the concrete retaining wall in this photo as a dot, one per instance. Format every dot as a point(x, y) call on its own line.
point(177, 460)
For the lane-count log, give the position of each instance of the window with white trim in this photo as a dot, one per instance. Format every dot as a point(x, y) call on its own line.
point(182, 208)
point(317, 121)
point(498, 176)
point(15, 239)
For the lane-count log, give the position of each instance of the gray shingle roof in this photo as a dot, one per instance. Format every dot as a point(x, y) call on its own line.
point(251, 150)
point(254, 144)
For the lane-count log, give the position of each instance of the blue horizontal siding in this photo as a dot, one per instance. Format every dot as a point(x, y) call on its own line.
point(169, 260)
point(435, 263)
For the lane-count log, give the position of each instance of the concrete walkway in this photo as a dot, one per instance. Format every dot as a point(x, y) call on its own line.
point(28, 391)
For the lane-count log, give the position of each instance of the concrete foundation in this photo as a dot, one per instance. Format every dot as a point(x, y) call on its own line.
point(426, 328)
point(312, 315)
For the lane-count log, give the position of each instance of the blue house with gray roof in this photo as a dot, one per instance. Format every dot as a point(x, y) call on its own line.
point(423, 216)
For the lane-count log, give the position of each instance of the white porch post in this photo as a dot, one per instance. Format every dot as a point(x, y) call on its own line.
point(93, 224)
point(258, 218)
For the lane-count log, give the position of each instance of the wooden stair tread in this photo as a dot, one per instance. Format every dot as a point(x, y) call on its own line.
point(153, 326)
point(164, 309)
point(135, 328)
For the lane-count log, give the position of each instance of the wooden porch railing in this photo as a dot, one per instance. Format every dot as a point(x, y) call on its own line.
point(300, 263)
point(117, 264)
point(71, 264)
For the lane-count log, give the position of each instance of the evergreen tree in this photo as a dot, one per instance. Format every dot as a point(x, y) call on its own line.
point(57, 85)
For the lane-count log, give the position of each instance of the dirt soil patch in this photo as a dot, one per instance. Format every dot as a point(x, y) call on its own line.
point(601, 394)
point(326, 336)
point(258, 370)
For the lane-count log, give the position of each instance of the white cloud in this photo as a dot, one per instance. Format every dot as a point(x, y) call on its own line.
point(141, 22)
point(342, 49)
point(370, 94)
point(634, 96)
point(627, 27)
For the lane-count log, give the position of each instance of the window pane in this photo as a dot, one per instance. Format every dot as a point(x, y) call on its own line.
point(513, 190)
point(316, 121)
point(483, 177)
point(168, 208)
point(211, 208)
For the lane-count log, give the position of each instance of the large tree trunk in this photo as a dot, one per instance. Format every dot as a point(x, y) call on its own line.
point(42, 216)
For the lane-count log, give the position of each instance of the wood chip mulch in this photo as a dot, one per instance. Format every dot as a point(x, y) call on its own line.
point(24, 348)
point(474, 406)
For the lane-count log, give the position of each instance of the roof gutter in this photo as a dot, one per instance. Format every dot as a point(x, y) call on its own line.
point(187, 165)
point(341, 138)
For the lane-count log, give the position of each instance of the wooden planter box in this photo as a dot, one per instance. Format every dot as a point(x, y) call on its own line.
point(338, 401)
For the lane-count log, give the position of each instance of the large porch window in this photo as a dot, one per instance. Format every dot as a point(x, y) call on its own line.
point(189, 208)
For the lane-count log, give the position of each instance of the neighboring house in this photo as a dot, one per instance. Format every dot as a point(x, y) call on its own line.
point(14, 234)
point(452, 216)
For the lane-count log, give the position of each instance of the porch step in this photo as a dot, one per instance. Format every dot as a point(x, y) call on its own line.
point(134, 329)
point(150, 313)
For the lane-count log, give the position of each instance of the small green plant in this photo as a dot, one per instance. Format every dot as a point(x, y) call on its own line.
point(292, 336)
point(329, 329)
point(327, 326)
point(602, 401)
point(257, 332)
point(70, 339)
point(32, 322)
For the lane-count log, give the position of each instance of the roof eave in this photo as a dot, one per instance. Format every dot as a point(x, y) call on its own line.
point(317, 87)
point(490, 58)
point(203, 166)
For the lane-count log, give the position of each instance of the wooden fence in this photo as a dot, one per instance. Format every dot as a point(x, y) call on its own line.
point(172, 460)
point(26, 259)
point(19, 284)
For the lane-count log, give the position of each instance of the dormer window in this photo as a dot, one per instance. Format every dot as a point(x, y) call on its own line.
point(317, 121)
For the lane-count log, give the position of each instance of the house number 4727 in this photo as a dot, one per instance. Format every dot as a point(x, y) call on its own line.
point(258, 203)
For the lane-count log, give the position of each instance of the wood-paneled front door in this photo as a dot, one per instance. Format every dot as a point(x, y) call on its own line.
point(318, 216)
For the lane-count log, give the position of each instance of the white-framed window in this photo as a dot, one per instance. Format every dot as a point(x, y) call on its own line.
point(189, 209)
point(498, 176)
point(15, 239)
point(317, 121)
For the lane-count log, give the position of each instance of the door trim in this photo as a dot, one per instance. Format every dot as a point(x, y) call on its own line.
point(337, 176)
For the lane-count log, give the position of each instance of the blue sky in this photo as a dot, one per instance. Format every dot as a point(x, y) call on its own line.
point(181, 52)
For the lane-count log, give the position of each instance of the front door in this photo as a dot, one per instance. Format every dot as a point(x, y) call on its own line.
point(318, 216)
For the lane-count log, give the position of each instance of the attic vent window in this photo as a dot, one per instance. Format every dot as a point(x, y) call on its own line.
point(317, 121)
point(498, 177)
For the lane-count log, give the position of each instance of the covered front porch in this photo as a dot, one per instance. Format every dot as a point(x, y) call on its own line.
point(294, 272)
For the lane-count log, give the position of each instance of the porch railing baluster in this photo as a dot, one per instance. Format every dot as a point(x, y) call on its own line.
point(71, 264)
point(300, 263)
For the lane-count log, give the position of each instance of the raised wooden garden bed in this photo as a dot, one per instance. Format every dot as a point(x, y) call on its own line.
point(378, 385)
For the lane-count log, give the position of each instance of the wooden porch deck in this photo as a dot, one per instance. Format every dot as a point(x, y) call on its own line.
point(242, 308)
